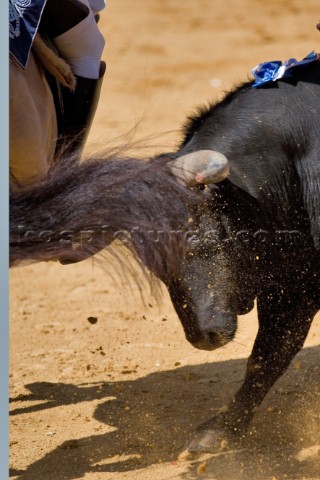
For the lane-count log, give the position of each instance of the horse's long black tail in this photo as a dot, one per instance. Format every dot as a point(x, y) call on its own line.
point(82, 207)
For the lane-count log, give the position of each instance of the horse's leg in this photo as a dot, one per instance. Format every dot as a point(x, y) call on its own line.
point(33, 123)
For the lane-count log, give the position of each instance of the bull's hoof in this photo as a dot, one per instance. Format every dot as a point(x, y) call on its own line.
point(209, 441)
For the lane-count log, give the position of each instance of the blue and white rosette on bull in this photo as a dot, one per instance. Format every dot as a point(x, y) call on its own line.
point(24, 18)
point(272, 71)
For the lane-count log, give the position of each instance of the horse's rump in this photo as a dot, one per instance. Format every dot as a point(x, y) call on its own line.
point(33, 123)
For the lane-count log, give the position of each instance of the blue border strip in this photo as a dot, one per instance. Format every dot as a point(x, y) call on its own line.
point(4, 235)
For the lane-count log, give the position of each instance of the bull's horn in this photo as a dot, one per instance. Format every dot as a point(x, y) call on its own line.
point(203, 166)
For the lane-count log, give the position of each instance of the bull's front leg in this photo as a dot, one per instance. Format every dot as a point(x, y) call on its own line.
point(284, 322)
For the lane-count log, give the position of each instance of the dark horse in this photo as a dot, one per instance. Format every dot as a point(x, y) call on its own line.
point(252, 235)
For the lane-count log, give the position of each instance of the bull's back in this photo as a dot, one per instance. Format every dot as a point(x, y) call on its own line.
point(270, 136)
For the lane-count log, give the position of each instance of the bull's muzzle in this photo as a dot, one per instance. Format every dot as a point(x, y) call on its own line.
point(211, 341)
point(214, 333)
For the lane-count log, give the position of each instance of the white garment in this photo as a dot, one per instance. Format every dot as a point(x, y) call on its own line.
point(97, 5)
point(82, 45)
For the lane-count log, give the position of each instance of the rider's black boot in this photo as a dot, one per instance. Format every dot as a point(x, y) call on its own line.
point(77, 112)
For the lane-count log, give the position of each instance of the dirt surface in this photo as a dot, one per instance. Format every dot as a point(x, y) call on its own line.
point(119, 398)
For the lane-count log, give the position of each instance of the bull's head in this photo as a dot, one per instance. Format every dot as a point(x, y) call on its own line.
point(205, 293)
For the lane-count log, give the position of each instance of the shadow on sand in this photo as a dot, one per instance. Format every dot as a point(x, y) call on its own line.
point(154, 416)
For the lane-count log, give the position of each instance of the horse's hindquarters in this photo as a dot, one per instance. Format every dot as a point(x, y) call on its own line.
point(33, 123)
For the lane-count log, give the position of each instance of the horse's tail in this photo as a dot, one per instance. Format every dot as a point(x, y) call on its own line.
point(82, 207)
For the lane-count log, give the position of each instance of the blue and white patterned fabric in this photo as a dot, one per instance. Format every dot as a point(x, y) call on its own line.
point(272, 71)
point(24, 18)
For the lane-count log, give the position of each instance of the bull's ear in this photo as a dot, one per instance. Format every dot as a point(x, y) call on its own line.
point(203, 166)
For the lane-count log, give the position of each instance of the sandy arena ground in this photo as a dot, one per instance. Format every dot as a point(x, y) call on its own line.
point(119, 399)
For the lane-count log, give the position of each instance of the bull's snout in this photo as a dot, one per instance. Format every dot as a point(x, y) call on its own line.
point(214, 333)
point(211, 341)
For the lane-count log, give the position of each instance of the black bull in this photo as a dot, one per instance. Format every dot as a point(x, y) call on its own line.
point(255, 235)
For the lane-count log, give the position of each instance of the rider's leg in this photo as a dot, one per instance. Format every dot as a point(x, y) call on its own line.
point(81, 44)
point(79, 110)
point(59, 16)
